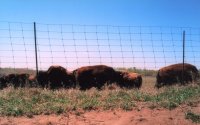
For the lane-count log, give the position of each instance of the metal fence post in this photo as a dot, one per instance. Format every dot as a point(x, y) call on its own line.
point(36, 58)
point(183, 57)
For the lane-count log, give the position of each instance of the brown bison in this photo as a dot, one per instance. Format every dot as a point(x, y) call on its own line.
point(71, 81)
point(42, 79)
point(55, 77)
point(58, 77)
point(129, 80)
point(2, 82)
point(94, 76)
point(174, 73)
point(17, 80)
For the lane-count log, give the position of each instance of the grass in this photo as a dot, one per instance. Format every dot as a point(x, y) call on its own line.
point(34, 101)
point(119, 99)
point(192, 116)
point(173, 97)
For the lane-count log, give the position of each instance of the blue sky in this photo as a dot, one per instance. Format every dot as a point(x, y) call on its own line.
point(139, 46)
point(112, 12)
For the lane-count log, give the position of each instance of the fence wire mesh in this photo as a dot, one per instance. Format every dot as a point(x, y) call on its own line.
point(73, 46)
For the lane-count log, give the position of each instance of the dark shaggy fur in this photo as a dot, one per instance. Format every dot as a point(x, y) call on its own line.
point(42, 79)
point(94, 76)
point(17, 80)
point(172, 74)
point(59, 77)
point(2, 82)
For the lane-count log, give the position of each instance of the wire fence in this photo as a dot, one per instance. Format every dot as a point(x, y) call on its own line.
point(73, 46)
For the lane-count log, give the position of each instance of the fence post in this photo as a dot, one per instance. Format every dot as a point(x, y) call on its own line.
point(183, 57)
point(36, 58)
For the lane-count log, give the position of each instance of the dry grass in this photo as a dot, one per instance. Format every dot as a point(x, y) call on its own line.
point(33, 101)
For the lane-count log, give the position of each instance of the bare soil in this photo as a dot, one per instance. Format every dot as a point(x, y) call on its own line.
point(137, 116)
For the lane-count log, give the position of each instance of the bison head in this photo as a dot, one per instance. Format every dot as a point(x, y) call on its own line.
point(159, 81)
point(32, 80)
point(130, 80)
point(57, 76)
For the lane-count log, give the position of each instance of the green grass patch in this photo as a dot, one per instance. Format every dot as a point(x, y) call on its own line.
point(192, 116)
point(119, 99)
point(34, 101)
point(173, 97)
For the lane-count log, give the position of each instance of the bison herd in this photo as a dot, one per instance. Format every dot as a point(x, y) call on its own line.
point(97, 76)
point(85, 78)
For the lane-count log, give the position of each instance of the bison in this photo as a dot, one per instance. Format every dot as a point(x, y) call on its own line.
point(2, 82)
point(58, 77)
point(42, 79)
point(174, 73)
point(55, 77)
point(94, 76)
point(32, 80)
point(71, 81)
point(17, 80)
point(23, 79)
point(129, 80)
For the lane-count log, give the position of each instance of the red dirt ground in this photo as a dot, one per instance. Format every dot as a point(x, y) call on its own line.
point(144, 116)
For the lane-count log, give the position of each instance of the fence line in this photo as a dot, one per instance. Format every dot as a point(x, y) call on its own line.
point(73, 46)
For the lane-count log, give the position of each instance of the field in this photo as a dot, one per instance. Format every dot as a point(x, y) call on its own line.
point(174, 105)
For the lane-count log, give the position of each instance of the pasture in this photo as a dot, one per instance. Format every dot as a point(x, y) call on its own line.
point(24, 101)
point(36, 101)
